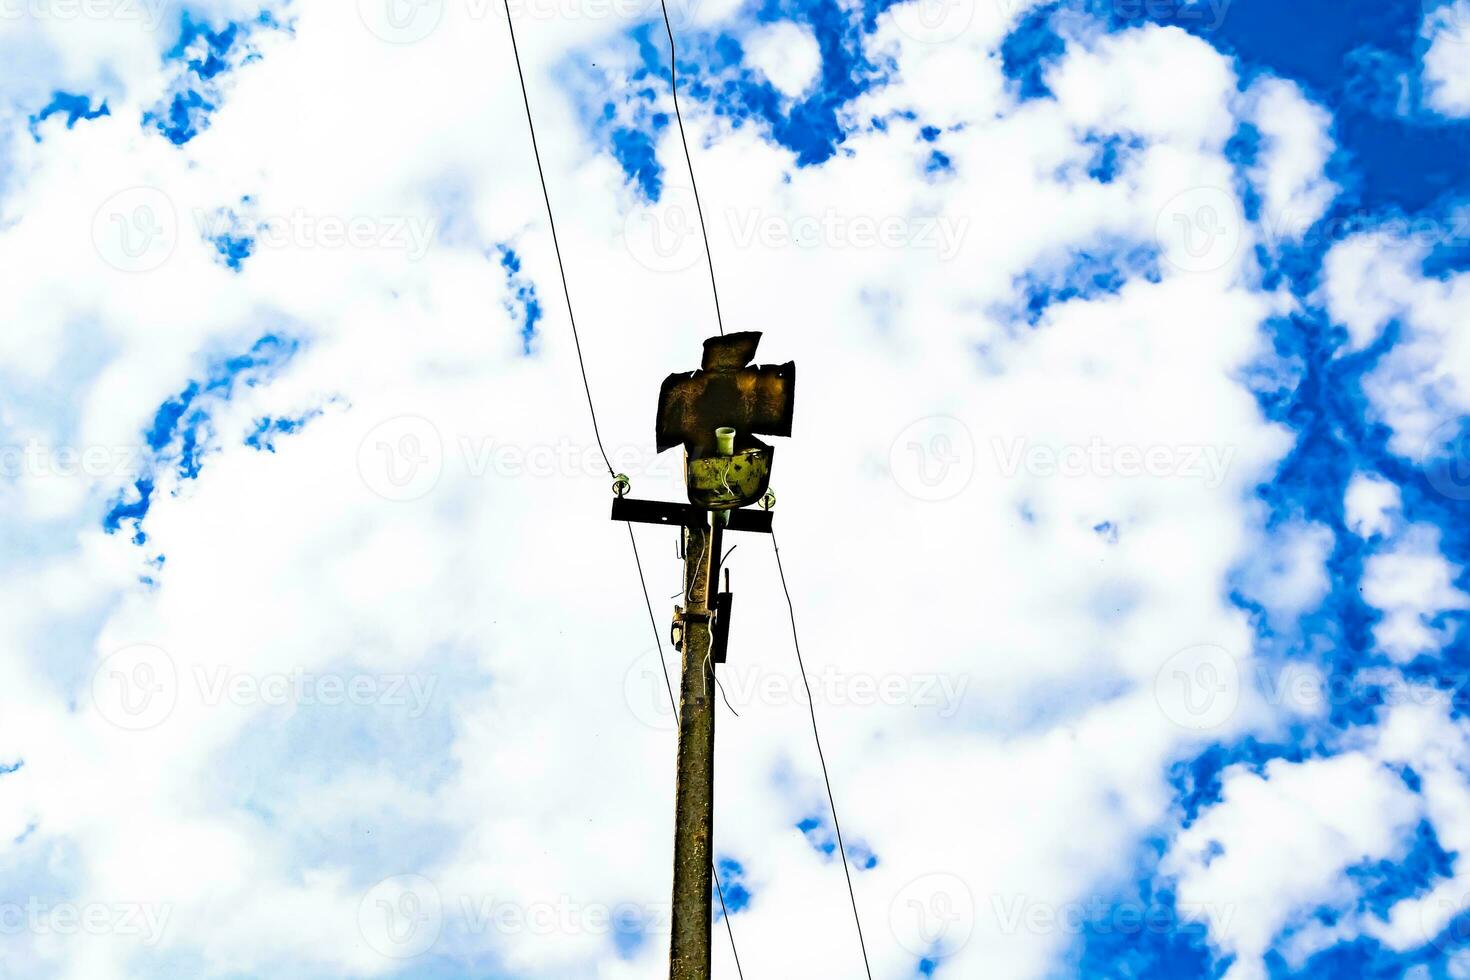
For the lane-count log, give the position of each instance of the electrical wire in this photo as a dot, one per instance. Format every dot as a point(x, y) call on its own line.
point(689, 162)
point(555, 241)
point(592, 409)
point(827, 780)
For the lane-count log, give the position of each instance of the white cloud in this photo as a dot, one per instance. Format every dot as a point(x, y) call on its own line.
point(1421, 386)
point(1412, 585)
point(1296, 143)
point(787, 54)
point(1259, 890)
point(1438, 748)
point(1370, 505)
point(1447, 60)
point(530, 779)
point(1323, 815)
point(1153, 76)
point(1288, 572)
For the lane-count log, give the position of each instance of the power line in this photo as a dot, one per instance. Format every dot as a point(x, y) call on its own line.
point(555, 241)
point(689, 162)
point(714, 287)
point(592, 408)
point(816, 735)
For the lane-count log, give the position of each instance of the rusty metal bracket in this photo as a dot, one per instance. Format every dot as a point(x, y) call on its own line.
point(682, 616)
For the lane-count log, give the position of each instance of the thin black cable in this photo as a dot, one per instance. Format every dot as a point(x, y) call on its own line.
point(556, 242)
point(725, 914)
point(689, 162)
point(674, 704)
point(652, 621)
point(709, 669)
point(831, 801)
point(592, 409)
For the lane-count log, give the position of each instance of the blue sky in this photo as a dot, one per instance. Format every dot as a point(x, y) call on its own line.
point(1125, 511)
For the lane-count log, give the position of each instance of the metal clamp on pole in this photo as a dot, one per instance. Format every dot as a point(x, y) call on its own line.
point(681, 617)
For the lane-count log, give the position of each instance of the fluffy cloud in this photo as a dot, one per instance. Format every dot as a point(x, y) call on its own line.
point(337, 627)
point(1296, 145)
point(787, 54)
point(1323, 815)
point(1421, 387)
point(1446, 67)
point(1412, 585)
point(1369, 505)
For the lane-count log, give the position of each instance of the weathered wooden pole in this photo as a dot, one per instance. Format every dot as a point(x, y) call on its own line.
point(694, 819)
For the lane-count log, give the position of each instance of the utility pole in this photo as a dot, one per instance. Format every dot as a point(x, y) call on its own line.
point(694, 818)
point(715, 413)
